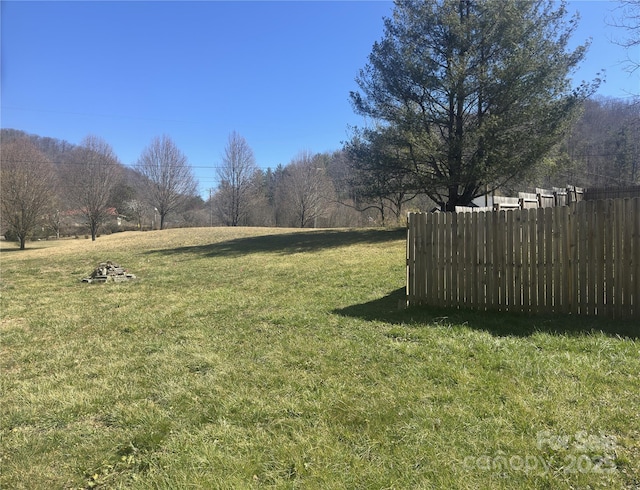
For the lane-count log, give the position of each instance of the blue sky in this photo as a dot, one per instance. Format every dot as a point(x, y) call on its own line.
point(278, 73)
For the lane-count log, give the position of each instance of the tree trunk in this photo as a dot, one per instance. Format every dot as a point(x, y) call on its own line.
point(453, 199)
point(94, 231)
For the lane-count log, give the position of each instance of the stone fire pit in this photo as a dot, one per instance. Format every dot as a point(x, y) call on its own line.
point(109, 272)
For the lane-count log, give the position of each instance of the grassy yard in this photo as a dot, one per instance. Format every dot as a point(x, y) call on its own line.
point(256, 358)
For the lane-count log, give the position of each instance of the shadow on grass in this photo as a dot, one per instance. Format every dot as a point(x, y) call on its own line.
point(500, 324)
point(11, 247)
point(5, 250)
point(290, 243)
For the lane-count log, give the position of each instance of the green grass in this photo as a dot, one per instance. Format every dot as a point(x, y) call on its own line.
point(258, 358)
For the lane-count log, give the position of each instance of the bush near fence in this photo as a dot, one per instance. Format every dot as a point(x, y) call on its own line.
point(580, 259)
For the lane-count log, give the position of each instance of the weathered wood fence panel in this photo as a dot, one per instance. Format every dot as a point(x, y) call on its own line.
point(581, 259)
point(618, 192)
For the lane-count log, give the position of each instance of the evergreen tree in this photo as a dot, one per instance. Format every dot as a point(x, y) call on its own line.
point(478, 91)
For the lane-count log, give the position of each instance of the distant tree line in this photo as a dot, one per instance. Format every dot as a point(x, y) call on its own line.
point(51, 187)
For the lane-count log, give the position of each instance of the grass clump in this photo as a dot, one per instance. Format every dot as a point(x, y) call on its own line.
point(250, 358)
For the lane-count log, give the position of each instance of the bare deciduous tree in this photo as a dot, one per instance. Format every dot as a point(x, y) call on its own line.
point(308, 189)
point(171, 180)
point(236, 178)
point(95, 173)
point(53, 218)
point(135, 209)
point(603, 147)
point(627, 17)
point(26, 183)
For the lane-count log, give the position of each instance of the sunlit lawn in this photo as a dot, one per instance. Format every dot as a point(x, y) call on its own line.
point(245, 358)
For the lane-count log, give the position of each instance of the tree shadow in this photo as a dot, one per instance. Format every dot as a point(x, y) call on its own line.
point(5, 250)
point(290, 243)
point(499, 324)
point(14, 247)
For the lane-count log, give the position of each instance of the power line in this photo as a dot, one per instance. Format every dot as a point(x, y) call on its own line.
point(89, 114)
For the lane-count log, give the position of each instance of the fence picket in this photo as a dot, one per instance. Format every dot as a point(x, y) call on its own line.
point(441, 284)
point(598, 259)
point(626, 261)
point(633, 263)
point(488, 253)
point(476, 241)
point(498, 259)
point(548, 259)
point(610, 238)
point(468, 260)
point(414, 259)
point(533, 260)
point(509, 264)
point(455, 249)
point(557, 260)
point(582, 260)
point(594, 258)
point(517, 255)
point(409, 252)
point(448, 251)
point(540, 257)
point(618, 258)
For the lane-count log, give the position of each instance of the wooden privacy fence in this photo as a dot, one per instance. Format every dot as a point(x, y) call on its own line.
point(580, 259)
